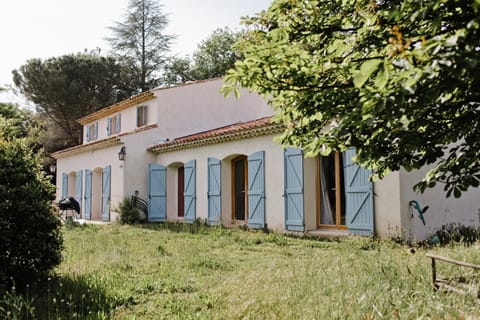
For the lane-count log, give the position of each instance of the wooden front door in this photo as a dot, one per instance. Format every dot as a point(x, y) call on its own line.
point(239, 188)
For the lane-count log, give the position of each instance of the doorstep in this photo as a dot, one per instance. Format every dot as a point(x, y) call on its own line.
point(331, 234)
point(85, 221)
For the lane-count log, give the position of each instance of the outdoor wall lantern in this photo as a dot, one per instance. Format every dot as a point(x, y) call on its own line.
point(53, 168)
point(121, 154)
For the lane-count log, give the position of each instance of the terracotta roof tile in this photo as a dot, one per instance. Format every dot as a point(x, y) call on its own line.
point(226, 133)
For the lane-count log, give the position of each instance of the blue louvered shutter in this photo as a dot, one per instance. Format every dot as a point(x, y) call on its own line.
point(358, 196)
point(95, 131)
point(293, 176)
point(118, 123)
point(214, 191)
point(144, 113)
point(256, 190)
point(157, 192)
point(106, 183)
point(87, 133)
point(87, 210)
point(189, 193)
point(64, 185)
point(109, 126)
point(78, 187)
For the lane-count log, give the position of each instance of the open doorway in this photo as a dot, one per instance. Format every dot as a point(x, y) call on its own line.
point(239, 189)
point(331, 192)
point(180, 191)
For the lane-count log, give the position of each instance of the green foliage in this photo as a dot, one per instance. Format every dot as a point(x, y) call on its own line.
point(70, 297)
point(397, 80)
point(16, 307)
point(140, 41)
point(213, 57)
point(69, 87)
point(16, 123)
point(149, 272)
point(120, 272)
point(177, 70)
point(128, 213)
point(466, 235)
point(30, 237)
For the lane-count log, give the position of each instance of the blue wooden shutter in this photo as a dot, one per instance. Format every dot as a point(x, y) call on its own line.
point(157, 192)
point(118, 123)
point(189, 193)
point(358, 196)
point(294, 208)
point(78, 187)
point(95, 131)
point(106, 193)
point(144, 113)
point(138, 116)
point(87, 210)
point(109, 126)
point(87, 128)
point(64, 185)
point(256, 190)
point(214, 191)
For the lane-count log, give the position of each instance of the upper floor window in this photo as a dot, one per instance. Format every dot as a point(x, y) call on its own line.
point(114, 124)
point(141, 116)
point(91, 131)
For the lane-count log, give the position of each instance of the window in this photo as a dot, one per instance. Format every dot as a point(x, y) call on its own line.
point(114, 124)
point(141, 116)
point(92, 131)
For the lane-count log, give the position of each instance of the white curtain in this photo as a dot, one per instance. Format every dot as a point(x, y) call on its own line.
point(327, 207)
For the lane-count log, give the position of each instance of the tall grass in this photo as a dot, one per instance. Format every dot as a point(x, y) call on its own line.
point(176, 271)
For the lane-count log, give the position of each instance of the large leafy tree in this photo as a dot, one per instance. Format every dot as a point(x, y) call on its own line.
point(177, 70)
point(140, 40)
point(71, 86)
point(213, 57)
point(398, 80)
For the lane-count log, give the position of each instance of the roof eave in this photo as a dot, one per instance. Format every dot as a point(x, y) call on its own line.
point(139, 98)
point(102, 144)
point(245, 134)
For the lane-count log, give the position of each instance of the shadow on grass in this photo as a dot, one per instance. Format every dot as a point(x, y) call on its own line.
point(79, 297)
point(197, 226)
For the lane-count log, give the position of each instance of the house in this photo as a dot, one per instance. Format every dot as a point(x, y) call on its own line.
point(192, 154)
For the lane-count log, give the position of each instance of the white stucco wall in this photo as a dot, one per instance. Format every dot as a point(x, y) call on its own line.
point(442, 210)
point(136, 161)
point(177, 111)
point(310, 182)
point(128, 119)
point(388, 219)
point(94, 161)
point(198, 107)
point(188, 109)
point(387, 211)
point(274, 205)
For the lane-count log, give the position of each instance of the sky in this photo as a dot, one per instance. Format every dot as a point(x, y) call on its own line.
point(51, 28)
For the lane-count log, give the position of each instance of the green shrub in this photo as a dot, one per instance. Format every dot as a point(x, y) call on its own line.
point(30, 237)
point(456, 233)
point(128, 213)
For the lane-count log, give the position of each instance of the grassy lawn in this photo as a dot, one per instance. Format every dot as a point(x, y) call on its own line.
point(155, 272)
